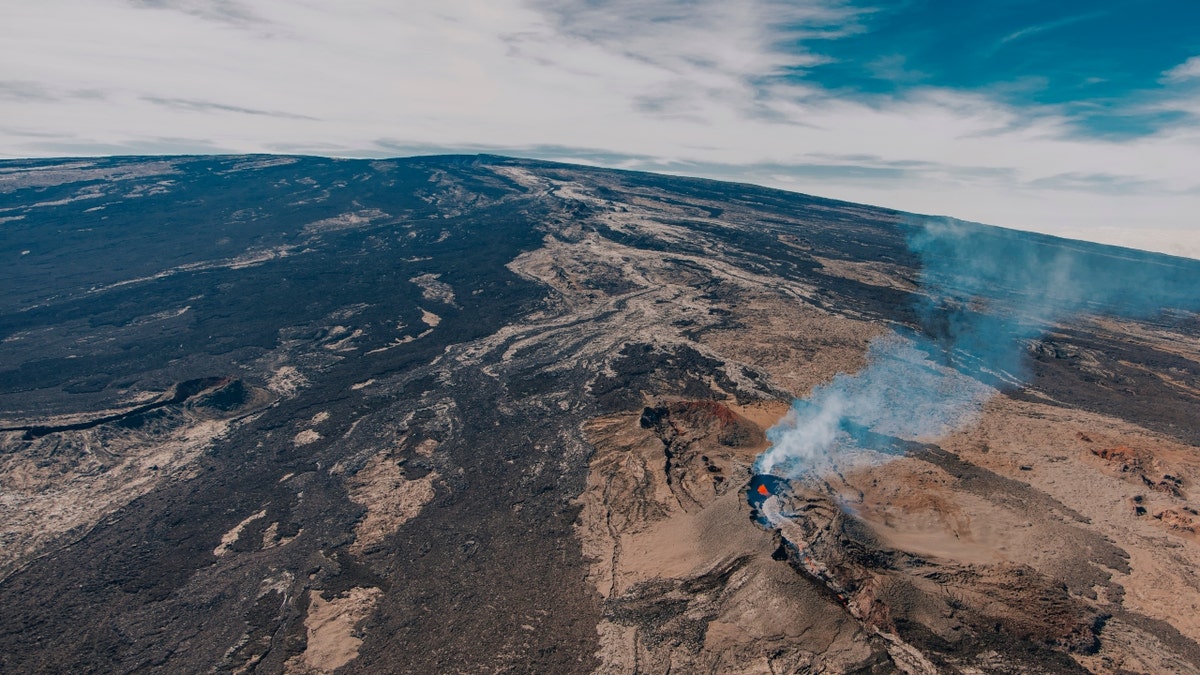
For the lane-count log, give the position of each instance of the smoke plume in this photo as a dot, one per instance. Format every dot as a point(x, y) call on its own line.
point(985, 294)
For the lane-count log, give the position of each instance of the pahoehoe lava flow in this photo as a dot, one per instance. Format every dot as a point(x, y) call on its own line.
point(463, 413)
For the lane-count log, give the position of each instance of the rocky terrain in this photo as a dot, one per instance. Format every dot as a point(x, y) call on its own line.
point(462, 414)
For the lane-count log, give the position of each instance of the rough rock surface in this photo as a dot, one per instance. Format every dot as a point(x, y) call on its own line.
point(461, 414)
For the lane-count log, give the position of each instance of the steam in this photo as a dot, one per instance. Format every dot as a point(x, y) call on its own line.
point(985, 293)
point(901, 393)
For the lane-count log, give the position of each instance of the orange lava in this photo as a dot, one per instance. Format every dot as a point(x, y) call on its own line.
point(762, 490)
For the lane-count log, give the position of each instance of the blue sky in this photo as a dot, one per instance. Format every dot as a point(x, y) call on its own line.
point(1072, 118)
point(1101, 63)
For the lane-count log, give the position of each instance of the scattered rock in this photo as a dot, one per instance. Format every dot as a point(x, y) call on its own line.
point(1183, 519)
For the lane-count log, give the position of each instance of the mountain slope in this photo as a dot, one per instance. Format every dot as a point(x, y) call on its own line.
point(462, 413)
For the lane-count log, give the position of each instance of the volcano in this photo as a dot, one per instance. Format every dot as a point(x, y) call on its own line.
point(474, 413)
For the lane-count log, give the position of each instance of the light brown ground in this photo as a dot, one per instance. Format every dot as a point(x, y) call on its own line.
point(332, 630)
point(650, 541)
point(1064, 452)
point(230, 538)
point(390, 499)
point(1086, 512)
point(65, 483)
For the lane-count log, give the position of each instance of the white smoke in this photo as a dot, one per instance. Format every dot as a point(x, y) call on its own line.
point(901, 393)
point(985, 292)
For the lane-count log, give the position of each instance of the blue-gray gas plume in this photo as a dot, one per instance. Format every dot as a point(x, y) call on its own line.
point(985, 293)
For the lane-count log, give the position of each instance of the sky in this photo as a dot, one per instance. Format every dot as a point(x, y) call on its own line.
point(1080, 119)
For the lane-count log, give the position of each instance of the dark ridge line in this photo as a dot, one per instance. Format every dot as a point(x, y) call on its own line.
point(183, 392)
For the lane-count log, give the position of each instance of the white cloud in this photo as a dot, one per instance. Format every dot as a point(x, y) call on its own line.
point(1188, 70)
point(677, 86)
point(1049, 25)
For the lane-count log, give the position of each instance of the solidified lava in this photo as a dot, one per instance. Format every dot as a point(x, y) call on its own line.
point(183, 391)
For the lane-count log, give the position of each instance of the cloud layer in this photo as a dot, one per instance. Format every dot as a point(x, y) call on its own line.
point(760, 91)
